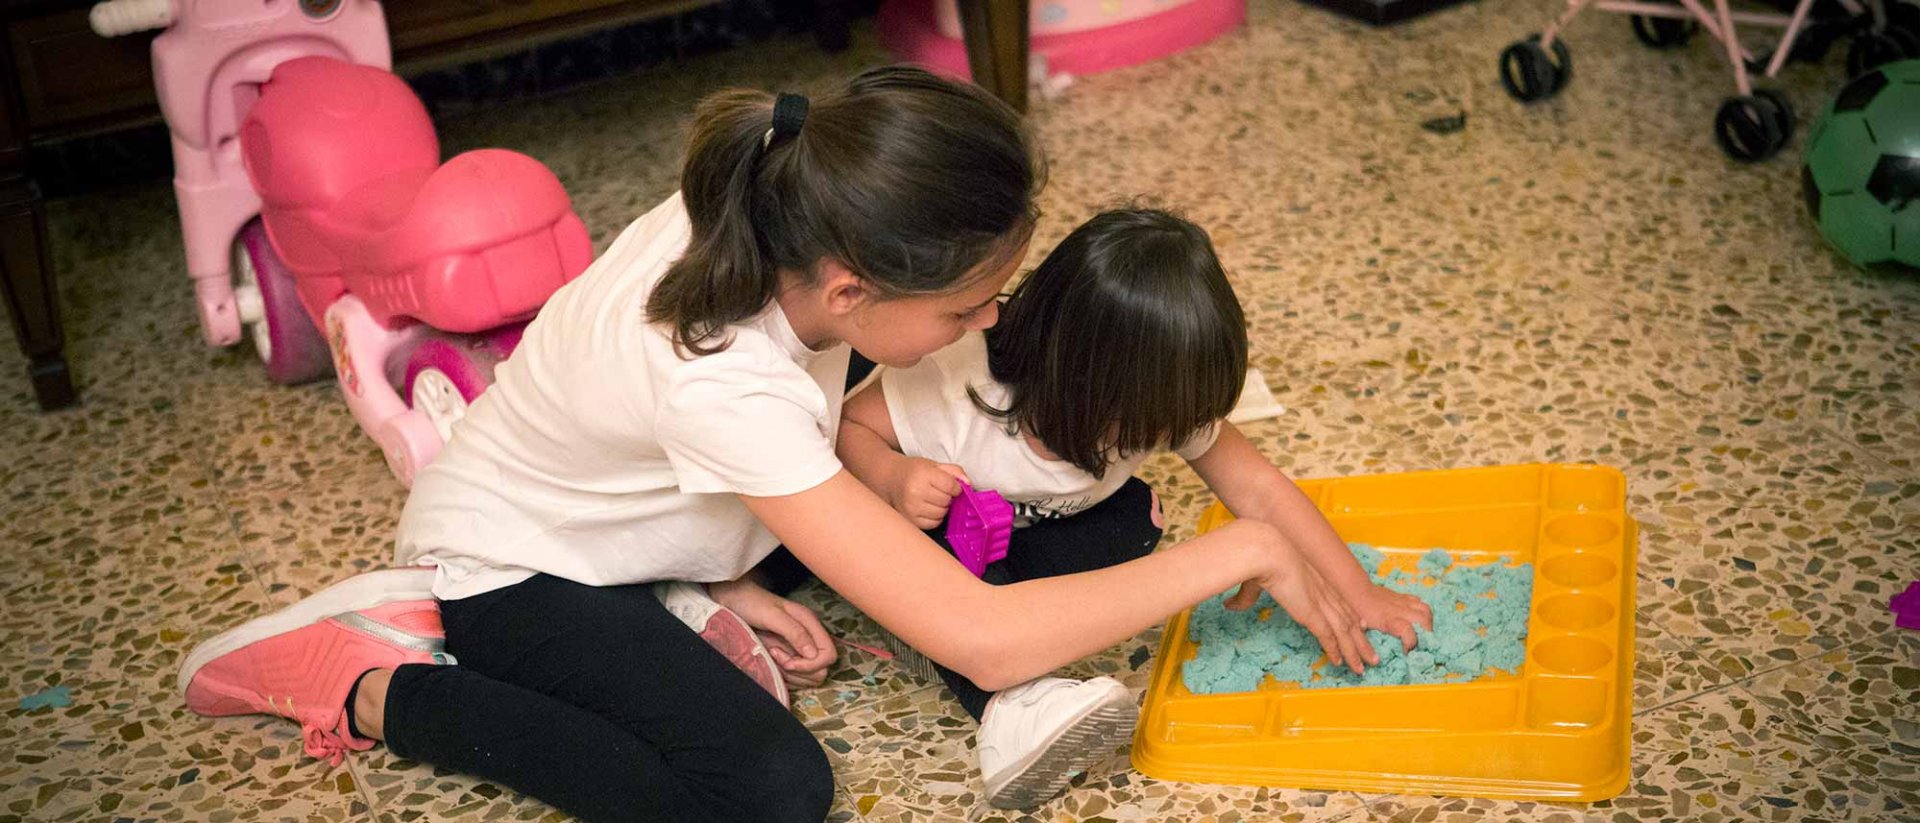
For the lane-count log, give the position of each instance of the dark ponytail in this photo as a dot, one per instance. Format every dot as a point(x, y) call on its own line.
point(910, 181)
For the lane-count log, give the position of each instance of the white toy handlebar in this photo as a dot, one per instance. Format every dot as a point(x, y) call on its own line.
point(117, 17)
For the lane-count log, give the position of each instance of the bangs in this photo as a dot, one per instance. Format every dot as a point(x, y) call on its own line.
point(1127, 339)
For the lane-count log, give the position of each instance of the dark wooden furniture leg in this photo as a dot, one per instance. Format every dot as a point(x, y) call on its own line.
point(996, 33)
point(26, 273)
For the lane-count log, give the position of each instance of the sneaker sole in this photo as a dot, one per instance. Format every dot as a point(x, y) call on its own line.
point(1077, 747)
point(363, 591)
point(725, 632)
point(729, 635)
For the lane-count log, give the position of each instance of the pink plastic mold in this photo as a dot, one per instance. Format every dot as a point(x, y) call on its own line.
point(1906, 607)
point(979, 527)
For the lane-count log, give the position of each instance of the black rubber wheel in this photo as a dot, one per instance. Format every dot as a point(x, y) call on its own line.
point(1783, 113)
point(1530, 74)
point(1748, 128)
point(1663, 32)
point(1871, 50)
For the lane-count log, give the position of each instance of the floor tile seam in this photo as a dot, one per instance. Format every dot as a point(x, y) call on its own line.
point(1808, 724)
point(1873, 454)
point(357, 766)
point(62, 726)
point(260, 564)
point(1363, 813)
point(1721, 687)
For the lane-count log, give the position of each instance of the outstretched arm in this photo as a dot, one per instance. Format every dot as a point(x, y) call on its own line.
point(999, 636)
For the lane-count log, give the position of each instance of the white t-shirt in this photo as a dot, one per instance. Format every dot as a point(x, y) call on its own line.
point(601, 456)
point(935, 419)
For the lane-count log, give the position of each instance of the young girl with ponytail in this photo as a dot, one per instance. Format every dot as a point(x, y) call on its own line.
point(577, 615)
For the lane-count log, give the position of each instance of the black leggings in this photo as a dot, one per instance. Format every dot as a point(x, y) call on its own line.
point(601, 703)
point(1120, 528)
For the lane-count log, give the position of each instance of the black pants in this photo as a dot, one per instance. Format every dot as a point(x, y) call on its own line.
point(601, 703)
point(1118, 529)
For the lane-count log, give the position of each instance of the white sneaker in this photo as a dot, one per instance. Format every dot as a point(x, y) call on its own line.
point(724, 631)
point(1038, 735)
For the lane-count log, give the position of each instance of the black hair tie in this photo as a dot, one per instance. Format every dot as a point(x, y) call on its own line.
point(789, 114)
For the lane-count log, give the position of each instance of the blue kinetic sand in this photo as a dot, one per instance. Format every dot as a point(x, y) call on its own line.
point(1479, 623)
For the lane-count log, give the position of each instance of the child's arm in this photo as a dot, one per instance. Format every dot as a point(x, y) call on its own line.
point(1255, 489)
point(999, 636)
point(920, 489)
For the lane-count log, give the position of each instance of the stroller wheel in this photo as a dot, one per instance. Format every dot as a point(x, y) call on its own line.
point(1750, 128)
point(1663, 32)
point(1871, 50)
point(1782, 110)
point(1529, 74)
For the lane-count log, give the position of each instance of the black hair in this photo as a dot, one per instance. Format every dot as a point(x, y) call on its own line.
point(910, 181)
point(1126, 339)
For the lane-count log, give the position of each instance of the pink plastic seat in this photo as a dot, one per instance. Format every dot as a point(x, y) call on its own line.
point(480, 241)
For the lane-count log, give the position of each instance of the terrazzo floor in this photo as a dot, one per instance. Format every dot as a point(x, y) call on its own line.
point(1586, 280)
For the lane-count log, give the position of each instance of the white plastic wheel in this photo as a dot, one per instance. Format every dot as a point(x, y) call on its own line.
point(250, 303)
point(436, 396)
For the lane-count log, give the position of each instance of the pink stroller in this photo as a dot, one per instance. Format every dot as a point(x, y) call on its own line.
point(312, 197)
point(1753, 124)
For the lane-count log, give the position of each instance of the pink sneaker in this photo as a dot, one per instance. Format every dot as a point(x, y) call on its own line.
point(725, 632)
point(300, 662)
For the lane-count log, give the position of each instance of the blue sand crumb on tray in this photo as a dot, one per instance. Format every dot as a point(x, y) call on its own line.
point(1479, 624)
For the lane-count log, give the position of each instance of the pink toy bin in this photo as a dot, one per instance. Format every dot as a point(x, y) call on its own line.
point(1074, 36)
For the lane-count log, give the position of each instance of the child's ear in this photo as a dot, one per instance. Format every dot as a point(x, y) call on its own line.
point(843, 290)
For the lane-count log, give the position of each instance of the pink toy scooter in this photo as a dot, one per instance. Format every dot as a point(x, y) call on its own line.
point(312, 196)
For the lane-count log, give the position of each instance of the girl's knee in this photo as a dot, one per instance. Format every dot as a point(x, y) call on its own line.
point(792, 781)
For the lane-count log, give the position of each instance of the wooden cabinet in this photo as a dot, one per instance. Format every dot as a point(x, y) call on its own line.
point(70, 77)
point(437, 31)
point(71, 80)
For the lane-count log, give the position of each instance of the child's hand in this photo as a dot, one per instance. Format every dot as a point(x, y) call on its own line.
point(1393, 612)
point(925, 490)
point(792, 633)
point(1307, 597)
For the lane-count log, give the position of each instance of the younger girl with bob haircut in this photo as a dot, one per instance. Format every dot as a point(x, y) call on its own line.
point(1126, 341)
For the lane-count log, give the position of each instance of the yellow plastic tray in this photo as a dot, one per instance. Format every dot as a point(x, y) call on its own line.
point(1556, 731)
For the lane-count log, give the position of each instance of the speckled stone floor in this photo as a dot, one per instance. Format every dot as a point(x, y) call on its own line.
point(1583, 280)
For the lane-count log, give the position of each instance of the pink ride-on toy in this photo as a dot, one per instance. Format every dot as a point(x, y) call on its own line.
point(312, 197)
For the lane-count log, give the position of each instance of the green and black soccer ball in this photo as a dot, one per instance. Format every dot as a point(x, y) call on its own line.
point(1862, 174)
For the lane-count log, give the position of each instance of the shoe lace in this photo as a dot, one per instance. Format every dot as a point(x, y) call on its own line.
point(320, 742)
point(324, 744)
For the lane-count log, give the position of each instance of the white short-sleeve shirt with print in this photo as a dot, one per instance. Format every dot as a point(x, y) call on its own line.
point(935, 418)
